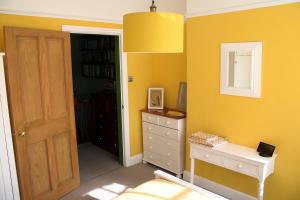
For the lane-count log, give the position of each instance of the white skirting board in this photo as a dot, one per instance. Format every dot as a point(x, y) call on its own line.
point(217, 188)
point(135, 160)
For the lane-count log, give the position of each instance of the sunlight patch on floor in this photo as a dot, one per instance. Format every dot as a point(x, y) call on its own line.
point(115, 187)
point(107, 192)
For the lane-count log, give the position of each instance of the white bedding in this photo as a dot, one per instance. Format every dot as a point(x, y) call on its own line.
point(167, 187)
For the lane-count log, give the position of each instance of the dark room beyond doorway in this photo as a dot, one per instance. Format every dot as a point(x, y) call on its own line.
point(97, 99)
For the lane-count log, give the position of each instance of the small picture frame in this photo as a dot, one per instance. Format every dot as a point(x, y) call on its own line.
point(181, 105)
point(156, 98)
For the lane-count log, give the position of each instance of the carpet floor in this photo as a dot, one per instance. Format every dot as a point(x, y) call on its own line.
point(94, 161)
point(110, 185)
point(103, 178)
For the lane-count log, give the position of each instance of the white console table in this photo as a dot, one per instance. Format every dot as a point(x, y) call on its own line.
point(238, 158)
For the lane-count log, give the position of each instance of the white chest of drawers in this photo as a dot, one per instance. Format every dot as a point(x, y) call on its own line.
point(238, 158)
point(163, 141)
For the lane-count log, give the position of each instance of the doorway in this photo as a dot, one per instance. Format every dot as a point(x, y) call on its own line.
point(97, 101)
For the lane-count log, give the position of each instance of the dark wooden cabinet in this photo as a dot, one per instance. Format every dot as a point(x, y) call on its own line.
point(96, 120)
point(104, 122)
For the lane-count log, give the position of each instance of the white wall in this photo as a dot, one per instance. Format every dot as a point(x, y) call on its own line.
point(208, 7)
point(8, 176)
point(95, 10)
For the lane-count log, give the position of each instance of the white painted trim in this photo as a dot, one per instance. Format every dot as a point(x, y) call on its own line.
point(217, 188)
point(51, 15)
point(135, 160)
point(127, 160)
point(240, 8)
point(6, 144)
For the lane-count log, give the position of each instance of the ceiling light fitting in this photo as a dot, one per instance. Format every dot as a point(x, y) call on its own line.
point(153, 32)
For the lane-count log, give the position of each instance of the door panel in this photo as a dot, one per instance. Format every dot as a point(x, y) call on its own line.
point(56, 72)
point(28, 51)
point(39, 168)
point(63, 154)
point(39, 80)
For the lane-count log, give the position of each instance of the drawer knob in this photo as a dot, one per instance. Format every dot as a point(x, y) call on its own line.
point(150, 128)
point(206, 156)
point(240, 166)
point(168, 122)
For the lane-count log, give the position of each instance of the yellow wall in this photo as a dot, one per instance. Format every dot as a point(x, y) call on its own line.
point(168, 71)
point(141, 70)
point(45, 23)
point(152, 70)
point(140, 66)
point(274, 118)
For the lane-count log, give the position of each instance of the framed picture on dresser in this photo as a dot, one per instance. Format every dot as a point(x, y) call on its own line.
point(156, 98)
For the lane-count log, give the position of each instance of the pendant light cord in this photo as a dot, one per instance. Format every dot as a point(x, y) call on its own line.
point(153, 7)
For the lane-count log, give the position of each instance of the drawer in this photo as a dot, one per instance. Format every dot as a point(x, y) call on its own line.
point(172, 166)
point(161, 161)
point(170, 154)
point(146, 117)
point(209, 157)
point(162, 131)
point(241, 167)
point(147, 127)
point(169, 122)
point(150, 138)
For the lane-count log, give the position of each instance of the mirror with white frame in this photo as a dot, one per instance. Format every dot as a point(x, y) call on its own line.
point(241, 69)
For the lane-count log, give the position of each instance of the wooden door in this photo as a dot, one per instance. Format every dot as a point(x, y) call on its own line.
point(39, 81)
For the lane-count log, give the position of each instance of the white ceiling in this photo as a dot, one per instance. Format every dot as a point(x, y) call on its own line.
point(95, 10)
point(207, 7)
point(113, 10)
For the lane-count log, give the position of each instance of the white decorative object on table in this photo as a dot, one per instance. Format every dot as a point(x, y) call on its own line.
point(207, 139)
point(238, 158)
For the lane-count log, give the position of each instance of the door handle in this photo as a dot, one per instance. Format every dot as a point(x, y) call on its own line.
point(22, 134)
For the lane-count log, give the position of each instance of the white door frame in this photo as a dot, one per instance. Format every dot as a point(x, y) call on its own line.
point(9, 188)
point(127, 161)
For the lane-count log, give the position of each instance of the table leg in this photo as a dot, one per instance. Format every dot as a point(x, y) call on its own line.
point(192, 171)
point(261, 190)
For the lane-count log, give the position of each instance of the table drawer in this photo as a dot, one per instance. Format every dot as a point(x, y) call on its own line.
point(241, 167)
point(146, 117)
point(207, 156)
point(162, 131)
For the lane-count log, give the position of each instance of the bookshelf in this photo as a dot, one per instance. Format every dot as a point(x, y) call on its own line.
point(98, 57)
